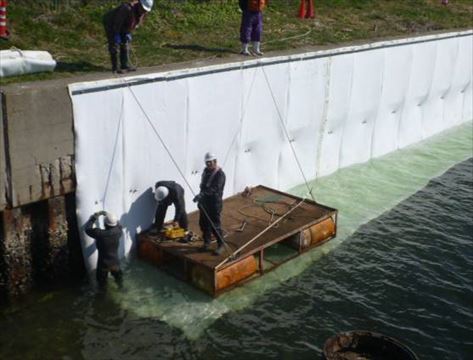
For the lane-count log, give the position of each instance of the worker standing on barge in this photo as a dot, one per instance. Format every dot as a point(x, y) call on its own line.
point(210, 202)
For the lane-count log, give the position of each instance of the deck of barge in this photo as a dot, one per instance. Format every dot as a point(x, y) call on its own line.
point(252, 224)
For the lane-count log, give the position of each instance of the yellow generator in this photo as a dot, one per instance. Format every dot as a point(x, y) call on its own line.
point(174, 232)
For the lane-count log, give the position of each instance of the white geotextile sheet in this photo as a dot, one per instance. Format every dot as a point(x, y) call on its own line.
point(265, 119)
point(19, 62)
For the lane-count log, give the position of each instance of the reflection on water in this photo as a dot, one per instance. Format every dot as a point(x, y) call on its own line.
point(404, 273)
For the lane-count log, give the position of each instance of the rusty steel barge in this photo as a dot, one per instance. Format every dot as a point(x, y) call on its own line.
point(263, 229)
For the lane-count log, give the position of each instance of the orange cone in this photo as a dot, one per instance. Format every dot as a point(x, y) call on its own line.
point(306, 9)
point(3, 19)
point(301, 9)
point(310, 11)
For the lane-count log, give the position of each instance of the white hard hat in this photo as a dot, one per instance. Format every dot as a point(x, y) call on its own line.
point(161, 193)
point(110, 219)
point(146, 4)
point(210, 157)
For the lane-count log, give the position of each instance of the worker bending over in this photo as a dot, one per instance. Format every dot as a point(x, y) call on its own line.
point(210, 202)
point(167, 193)
point(119, 23)
point(107, 241)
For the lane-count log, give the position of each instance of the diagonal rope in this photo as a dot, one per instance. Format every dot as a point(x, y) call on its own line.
point(245, 107)
point(177, 166)
point(262, 232)
point(286, 133)
point(109, 175)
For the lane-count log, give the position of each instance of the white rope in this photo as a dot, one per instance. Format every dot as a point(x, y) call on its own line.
point(109, 175)
point(262, 232)
point(245, 106)
point(286, 133)
point(201, 208)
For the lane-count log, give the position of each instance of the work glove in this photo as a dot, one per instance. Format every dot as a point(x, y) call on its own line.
point(128, 37)
point(197, 198)
point(117, 39)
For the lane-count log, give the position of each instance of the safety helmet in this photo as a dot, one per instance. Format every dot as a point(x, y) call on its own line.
point(210, 157)
point(146, 4)
point(161, 193)
point(111, 219)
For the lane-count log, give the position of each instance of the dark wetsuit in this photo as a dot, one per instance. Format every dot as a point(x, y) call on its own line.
point(176, 197)
point(107, 242)
point(119, 23)
point(211, 191)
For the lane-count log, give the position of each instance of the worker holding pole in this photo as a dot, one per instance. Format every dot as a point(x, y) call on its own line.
point(210, 203)
point(119, 24)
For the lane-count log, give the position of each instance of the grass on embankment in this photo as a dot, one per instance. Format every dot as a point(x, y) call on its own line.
point(180, 30)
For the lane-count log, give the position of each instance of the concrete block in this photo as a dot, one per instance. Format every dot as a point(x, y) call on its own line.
point(16, 261)
point(40, 142)
point(3, 181)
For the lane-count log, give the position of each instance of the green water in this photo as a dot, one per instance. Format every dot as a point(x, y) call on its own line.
point(288, 312)
point(360, 193)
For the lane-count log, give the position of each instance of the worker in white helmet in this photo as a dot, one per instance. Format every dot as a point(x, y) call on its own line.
point(210, 201)
point(169, 193)
point(119, 24)
point(107, 241)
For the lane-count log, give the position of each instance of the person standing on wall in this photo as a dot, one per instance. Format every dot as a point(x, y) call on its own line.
point(167, 193)
point(251, 25)
point(107, 241)
point(210, 202)
point(119, 23)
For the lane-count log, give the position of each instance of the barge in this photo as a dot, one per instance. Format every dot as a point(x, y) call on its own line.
point(263, 228)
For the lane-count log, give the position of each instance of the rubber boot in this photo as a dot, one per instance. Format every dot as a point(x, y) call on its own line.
point(124, 56)
point(244, 49)
point(113, 58)
point(257, 48)
point(219, 250)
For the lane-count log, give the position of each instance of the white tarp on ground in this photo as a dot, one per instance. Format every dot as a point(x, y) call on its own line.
point(332, 108)
point(19, 62)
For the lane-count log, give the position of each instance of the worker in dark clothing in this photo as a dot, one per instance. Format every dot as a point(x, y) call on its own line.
point(119, 23)
point(210, 202)
point(167, 193)
point(107, 242)
point(251, 27)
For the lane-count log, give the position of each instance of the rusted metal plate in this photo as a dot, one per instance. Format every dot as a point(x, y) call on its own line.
point(236, 273)
point(251, 224)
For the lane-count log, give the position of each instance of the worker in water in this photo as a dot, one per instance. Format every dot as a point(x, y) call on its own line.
point(210, 202)
point(167, 193)
point(251, 27)
point(107, 241)
point(119, 24)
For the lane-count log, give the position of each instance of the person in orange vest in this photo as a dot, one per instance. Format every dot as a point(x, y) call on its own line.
point(119, 23)
point(251, 27)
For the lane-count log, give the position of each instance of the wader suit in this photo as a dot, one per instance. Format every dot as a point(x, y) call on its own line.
point(107, 242)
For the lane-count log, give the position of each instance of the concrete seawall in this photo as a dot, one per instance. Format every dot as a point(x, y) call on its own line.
point(38, 227)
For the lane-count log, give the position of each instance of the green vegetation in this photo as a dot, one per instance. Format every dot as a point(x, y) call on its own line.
point(182, 30)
